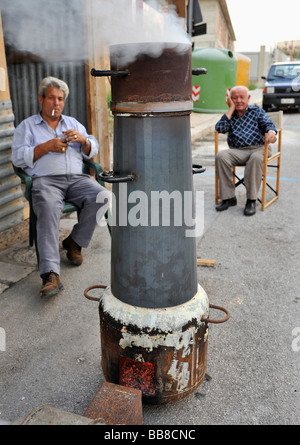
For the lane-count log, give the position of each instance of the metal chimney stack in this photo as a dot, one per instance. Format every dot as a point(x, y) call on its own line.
point(154, 316)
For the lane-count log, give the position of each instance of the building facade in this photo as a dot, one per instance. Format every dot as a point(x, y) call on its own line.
point(220, 33)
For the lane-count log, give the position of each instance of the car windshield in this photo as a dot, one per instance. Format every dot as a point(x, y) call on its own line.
point(285, 71)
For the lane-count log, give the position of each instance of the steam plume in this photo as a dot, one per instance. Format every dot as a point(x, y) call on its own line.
point(55, 30)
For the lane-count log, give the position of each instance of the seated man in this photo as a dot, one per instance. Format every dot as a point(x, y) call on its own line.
point(50, 147)
point(246, 126)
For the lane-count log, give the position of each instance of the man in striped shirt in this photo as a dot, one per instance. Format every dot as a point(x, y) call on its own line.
point(246, 126)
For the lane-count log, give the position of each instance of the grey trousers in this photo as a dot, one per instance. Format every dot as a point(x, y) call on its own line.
point(252, 158)
point(49, 194)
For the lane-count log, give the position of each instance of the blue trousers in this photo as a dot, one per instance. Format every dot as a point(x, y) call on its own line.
point(49, 194)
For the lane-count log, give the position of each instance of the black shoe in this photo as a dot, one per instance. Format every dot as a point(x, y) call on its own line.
point(250, 208)
point(226, 203)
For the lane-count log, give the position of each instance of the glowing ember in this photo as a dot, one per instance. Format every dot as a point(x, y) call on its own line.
point(139, 375)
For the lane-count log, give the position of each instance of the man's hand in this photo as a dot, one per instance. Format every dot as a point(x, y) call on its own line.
point(230, 103)
point(271, 137)
point(55, 145)
point(74, 136)
point(231, 107)
point(58, 145)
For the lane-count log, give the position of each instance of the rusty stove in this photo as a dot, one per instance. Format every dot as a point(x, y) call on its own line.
point(154, 316)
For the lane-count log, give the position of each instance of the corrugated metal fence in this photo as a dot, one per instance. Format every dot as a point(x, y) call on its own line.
point(49, 42)
point(24, 80)
point(11, 202)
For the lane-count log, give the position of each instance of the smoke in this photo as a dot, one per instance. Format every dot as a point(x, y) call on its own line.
point(56, 29)
point(149, 31)
point(48, 30)
point(123, 22)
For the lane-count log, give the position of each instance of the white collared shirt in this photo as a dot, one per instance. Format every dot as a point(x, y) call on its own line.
point(34, 131)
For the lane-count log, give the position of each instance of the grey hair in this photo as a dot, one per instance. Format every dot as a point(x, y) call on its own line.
point(54, 83)
point(239, 86)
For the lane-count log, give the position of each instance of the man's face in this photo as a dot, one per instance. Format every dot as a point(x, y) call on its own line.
point(53, 103)
point(240, 98)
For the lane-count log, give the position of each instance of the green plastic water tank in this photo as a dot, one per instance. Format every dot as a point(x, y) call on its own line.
point(221, 65)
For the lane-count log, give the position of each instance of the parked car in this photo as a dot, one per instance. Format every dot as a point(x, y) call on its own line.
point(282, 86)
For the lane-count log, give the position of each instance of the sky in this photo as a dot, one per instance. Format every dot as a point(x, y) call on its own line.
point(263, 22)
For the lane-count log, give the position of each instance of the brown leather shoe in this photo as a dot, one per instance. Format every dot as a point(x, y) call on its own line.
point(73, 251)
point(51, 284)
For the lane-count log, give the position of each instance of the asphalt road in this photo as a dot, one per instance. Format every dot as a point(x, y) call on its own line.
point(53, 347)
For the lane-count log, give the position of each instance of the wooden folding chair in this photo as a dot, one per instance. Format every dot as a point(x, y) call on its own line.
point(276, 117)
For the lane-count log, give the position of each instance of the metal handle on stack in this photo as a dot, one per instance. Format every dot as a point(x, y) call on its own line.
point(97, 286)
point(112, 73)
point(223, 320)
point(198, 71)
point(115, 177)
point(198, 169)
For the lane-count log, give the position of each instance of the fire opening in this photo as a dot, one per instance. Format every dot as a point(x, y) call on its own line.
point(138, 375)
